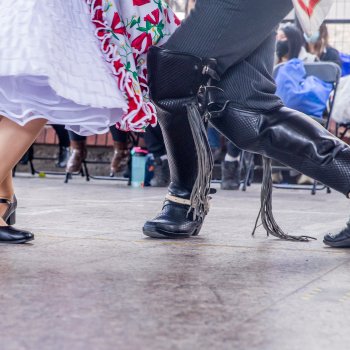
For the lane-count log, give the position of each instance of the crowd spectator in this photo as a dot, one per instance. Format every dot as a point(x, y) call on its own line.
point(318, 45)
point(189, 6)
point(291, 44)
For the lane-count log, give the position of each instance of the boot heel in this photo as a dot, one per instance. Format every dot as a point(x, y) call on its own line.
point(12, 219)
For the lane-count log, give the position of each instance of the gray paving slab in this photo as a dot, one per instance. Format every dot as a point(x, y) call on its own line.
point(90, 280)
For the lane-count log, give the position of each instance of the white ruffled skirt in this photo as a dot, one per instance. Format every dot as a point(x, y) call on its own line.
point(51, 66)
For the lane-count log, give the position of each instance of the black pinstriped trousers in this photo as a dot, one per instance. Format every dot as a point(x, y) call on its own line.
point(240, 34)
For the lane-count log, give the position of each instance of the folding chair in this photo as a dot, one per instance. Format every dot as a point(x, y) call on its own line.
point(330, 73)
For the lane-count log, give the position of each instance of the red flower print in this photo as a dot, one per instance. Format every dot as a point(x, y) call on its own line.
point(155, 19)
point(140, 2)
point(115, 23)
point(117, 65)
point(166, 14)
point(176, 20)
point(125, 35)
point(138, 42)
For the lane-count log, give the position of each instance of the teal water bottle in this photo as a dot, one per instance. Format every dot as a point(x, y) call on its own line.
point(138, 166)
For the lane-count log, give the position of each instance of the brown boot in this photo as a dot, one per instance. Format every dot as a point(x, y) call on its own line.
point(120, 158)
point(78, 155)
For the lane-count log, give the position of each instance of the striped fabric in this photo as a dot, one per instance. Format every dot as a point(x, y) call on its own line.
point(240, 35)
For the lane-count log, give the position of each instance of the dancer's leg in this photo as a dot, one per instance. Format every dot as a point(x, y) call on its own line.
point(6, 192)
point(11, 152)
point(15, 141)
point(279, 133)
point(6, 187)
point(261, 124)
point(214, 29)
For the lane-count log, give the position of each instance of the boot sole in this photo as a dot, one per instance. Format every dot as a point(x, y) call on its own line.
point(340, 244)
point(162, 234)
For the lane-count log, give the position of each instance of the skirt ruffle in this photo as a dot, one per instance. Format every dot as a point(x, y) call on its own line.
point(81, 63)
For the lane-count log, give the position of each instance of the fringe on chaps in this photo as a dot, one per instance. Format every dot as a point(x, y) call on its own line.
point(267, 219)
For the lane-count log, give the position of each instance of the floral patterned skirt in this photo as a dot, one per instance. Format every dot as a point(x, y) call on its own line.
point(80, 63)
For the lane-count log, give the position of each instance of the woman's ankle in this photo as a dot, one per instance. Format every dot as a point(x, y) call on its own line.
point(2, 222)
point(7, 195)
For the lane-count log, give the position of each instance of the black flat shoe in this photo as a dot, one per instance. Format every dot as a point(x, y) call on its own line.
point(338, 240)
point(10, 235)
point(172, 222)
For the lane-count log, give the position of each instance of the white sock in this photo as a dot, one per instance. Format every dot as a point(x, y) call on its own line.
point(229, 158)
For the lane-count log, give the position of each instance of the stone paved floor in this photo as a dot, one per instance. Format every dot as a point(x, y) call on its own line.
point(91, 280)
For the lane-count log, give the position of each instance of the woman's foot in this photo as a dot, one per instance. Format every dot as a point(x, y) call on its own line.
point(9, 234)
point(8, 206)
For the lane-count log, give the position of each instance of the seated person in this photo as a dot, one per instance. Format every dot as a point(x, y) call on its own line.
point(318, 45)
point(291, 44)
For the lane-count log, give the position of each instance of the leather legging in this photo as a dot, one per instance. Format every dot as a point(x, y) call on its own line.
point(291, 138)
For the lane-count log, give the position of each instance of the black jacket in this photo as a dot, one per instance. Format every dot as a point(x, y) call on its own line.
point(331, 55)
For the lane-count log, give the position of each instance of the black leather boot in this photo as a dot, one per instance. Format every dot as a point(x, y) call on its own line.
point(62, 158)
point(292, 138)
point(230, 175)
point(177, 88)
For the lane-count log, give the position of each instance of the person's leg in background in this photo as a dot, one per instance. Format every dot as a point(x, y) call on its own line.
point(63, 144)
point(216, 144)
point(230, 168)
point(155, 144)
point(9, 157)
point(121, 154)
point(78, 152)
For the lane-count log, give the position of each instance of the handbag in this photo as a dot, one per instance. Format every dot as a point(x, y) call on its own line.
point(345, 64)
point(307, 94)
